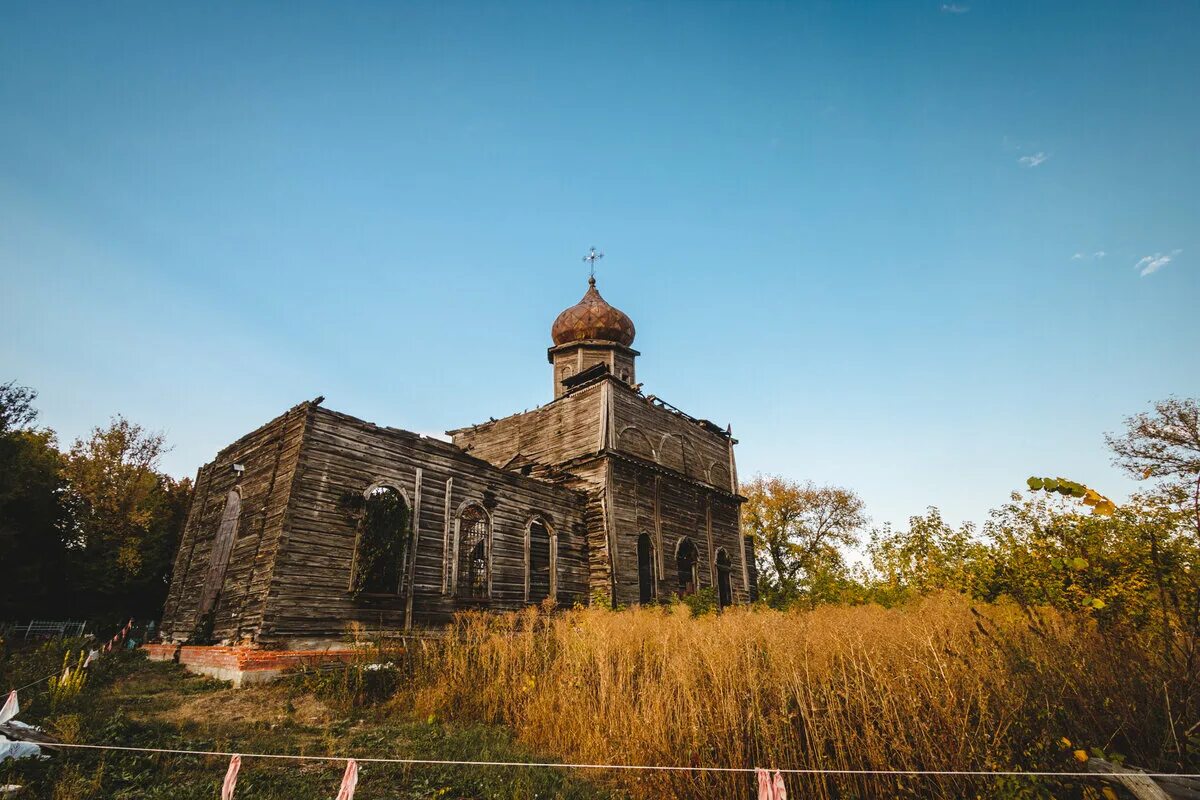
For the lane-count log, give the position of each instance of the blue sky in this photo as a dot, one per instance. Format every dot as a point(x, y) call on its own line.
point(849, 229)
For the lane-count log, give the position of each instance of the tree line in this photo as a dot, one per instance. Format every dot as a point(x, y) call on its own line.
point(1072, 548)
point(88, 531)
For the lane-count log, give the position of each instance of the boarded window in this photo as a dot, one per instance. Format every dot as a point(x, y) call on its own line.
point(724, 583)
point(222, 546)
point(686, 559)
point(383, 538)
point(646, 583)
point(540, 559)
point(473, 552)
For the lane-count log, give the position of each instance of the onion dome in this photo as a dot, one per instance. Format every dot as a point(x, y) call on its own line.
point(592, 319)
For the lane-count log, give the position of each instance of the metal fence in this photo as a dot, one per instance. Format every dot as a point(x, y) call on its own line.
point(43, 629)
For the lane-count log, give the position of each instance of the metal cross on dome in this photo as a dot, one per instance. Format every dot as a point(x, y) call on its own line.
point(591, 258)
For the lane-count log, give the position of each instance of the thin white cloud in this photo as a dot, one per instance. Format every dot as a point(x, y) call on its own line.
point(1099, 254)
point(1032, 161)
point(1148, 265)
point(1077, 257)
point(954, 8)
point(1081, 256)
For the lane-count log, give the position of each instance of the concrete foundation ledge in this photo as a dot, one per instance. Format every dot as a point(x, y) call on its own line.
point(243, 666)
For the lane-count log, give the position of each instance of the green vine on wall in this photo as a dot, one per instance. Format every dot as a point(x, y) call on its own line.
point(383, 535)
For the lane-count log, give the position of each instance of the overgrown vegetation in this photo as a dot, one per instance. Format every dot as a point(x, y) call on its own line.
point(936, 684)
point(1066, 625)
point(131, 702)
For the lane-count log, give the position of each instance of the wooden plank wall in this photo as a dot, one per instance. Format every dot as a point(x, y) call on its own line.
point(703, 507)
point(678, 443)
point(669, 508)
point(309, 594)
point(563, 429)
point(269, 457)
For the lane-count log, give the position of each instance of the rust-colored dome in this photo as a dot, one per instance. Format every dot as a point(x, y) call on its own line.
point(592, 318)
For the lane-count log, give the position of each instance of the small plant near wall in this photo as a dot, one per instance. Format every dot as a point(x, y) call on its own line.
point(70, 683)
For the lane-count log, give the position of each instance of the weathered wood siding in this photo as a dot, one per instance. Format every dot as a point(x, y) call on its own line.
point(341, 456)
point(680, 480)
point(269, 455)
point(676, 442)
point(559, 431)
point(669, 508)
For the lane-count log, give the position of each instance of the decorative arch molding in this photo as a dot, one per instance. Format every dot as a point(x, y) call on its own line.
point(679, 543)
point(718, 475)
point(552, 555)
point(388, 484)
point(465, 504)
point(633, 439)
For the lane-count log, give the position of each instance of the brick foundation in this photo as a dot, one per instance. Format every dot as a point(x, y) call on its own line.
point(243, 666)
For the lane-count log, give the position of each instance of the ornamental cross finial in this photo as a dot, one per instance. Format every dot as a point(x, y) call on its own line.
point(591, 258)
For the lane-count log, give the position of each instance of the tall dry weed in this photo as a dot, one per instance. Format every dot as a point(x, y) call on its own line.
point(939, 684)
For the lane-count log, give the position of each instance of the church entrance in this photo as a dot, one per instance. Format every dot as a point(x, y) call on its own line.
point(645, 555)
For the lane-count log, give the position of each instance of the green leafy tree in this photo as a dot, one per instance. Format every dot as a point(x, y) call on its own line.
point(929, 556)
point(1164, 444)
point(125, 518)
point(800, 531)
point(32, 514)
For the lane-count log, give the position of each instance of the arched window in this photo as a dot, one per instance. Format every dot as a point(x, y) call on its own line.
point(222, 546)
point(539, 561)
point(647, 586)
point(686, 559)
point(381, 548)
point(724, 586)
point(474, 554)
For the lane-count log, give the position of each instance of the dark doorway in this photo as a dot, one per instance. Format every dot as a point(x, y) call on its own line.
point(646, 584)
point(724, 586)
point(686, 558)
point(539, 561)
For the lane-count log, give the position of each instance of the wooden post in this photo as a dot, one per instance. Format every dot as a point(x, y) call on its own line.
point(416, 541)
point(708, 532)
point(1140, 786)
point(447, 554)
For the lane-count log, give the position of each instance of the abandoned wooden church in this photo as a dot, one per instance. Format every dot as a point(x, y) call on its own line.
point(604, 495)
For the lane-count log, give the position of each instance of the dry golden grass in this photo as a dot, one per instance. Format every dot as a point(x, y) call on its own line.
point(935, 685)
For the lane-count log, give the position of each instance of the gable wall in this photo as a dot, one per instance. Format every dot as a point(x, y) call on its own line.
point(566, 428)
point(269, 455)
